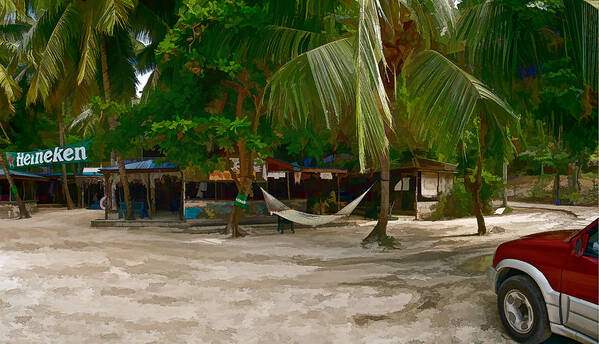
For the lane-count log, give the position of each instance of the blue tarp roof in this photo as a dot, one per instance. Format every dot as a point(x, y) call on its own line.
point(16, 173)
point(59, 174)
point(141, 165)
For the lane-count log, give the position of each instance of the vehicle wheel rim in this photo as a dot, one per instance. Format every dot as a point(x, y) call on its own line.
point(518, 311)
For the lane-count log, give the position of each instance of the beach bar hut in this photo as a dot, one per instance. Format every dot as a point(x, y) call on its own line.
point(91, 186)
point(160, 188)
point(211, 195)
point(27, 184)
point(418, 184)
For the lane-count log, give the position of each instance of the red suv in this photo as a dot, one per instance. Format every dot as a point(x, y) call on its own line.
point(547, 282)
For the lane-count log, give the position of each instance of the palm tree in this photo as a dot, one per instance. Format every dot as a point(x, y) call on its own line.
point(494, 34)
point(9, 92)
point(94, 35)
point(392, 40)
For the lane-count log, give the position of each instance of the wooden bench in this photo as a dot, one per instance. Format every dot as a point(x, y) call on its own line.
point(281, 222)
point(137, 208)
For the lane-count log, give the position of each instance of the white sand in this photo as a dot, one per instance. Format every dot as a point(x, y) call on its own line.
point(64, 282)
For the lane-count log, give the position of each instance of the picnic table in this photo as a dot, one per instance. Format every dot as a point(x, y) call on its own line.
point(281, 222)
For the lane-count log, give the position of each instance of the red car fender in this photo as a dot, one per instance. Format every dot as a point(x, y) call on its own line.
point(550, 296)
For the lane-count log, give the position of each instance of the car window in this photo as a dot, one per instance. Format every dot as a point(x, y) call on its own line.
point(592, 249)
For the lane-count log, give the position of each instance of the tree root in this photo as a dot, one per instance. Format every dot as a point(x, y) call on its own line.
point(385, 241)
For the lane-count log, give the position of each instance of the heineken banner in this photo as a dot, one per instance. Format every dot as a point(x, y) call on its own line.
point(74, 153)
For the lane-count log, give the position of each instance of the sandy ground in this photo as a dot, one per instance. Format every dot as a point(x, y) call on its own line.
point(64, 282)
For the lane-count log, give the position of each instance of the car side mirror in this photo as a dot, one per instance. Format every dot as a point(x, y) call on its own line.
point(580, 245)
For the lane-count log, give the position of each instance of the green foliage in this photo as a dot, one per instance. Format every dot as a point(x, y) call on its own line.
point(458, 203)
point(197, 118)
point(323, 205)
point(560, 130)
point(305, 143)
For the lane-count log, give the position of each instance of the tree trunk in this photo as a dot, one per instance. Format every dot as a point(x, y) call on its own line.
point(65, 181)
point(246, 165)
point(478, 183)
point(113, 124)
point(577, 178)
point(504, 184)
point(23, 212)
point(573, 182)
point(105, 76)
point(379, 233)
point(556, 189)
point(125, 183)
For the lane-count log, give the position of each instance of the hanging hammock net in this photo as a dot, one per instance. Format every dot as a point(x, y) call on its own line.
point(276, 207)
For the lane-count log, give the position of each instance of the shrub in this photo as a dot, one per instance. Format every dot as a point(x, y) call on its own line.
point(458, 203)
point(329, 205)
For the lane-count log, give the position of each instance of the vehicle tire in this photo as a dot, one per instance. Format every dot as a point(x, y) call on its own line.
point(522, 310)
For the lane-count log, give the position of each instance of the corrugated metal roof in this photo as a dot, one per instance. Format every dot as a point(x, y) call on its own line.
point(141, 165)
point(16, 173)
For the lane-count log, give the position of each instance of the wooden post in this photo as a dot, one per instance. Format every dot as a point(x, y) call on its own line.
point(417, 185)
point(82, 199)
point(148, 198)
point(338, 195)
point(107, 194)
point(288, 190)
point(182, 210)
point(438, 179)
point(153, 196)
point(504, 172)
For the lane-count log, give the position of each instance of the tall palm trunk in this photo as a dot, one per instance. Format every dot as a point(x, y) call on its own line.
point(379, 233)
point(113, 124)
point(476, 186)
point(23, 212)
point(65, 182)
point(504, 184)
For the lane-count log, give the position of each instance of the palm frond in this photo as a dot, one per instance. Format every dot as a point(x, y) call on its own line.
point(114, 14)
point(489, 30)
point(444, 99)
point(86, 122)
point(279, 44)
point(50, 60)
point(582, 25)
point(436, 19)
point(317, 85)
point(339, 81)
point(372, 106)
point(150, 85)
point(121, 60)
point(89, 56)
point(9, 90)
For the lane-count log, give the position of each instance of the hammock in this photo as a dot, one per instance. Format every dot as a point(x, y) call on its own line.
point(277, 207)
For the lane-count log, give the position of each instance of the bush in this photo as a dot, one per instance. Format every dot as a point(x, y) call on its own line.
point(329, 205)
point(458, 203)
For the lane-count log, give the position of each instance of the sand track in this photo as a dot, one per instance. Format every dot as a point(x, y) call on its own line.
point(62, 281)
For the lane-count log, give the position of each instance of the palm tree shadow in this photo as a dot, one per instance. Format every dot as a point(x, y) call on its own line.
point(456, 236)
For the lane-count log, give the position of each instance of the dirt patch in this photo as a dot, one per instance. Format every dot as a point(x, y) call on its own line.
point(476, 265)
point(364, 319)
